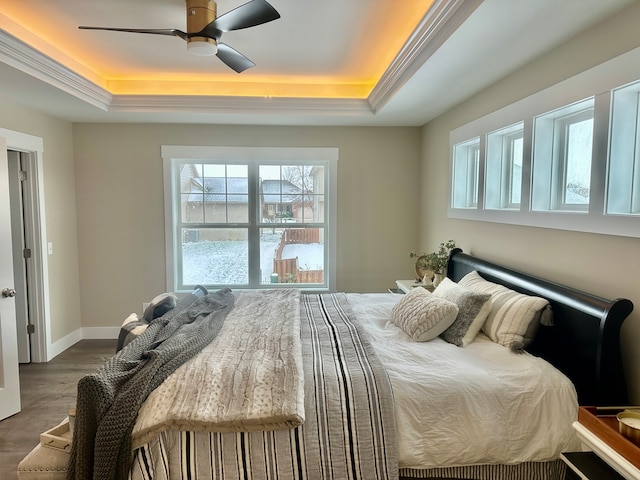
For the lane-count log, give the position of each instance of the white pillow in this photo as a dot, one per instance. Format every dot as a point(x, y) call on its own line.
point(514, 317)
point(473, 309)
point(422, 316)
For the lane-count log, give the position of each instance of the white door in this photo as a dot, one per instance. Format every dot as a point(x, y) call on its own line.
point(9, 373)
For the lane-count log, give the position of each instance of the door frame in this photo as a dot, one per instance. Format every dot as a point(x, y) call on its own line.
point(21, 265)
point(39, 306)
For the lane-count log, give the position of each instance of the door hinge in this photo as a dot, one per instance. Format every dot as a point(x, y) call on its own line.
point(26, 253)
point(31, 328)
point(22, 175)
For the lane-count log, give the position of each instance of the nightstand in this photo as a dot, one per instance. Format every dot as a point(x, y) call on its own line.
point(612, 456)
point(407, 285)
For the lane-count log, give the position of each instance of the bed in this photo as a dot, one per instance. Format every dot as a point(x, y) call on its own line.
point(351, 403)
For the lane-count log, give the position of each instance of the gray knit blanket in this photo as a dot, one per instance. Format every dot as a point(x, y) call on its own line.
point(109, 399)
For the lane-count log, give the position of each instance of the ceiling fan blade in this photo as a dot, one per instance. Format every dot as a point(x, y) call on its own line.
point(255, 12)
point(172, 32)
point(234, 59)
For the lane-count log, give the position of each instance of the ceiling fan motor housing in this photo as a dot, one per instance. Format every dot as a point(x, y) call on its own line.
point(200, 13)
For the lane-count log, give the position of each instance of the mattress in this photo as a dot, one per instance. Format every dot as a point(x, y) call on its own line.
point(482, 404)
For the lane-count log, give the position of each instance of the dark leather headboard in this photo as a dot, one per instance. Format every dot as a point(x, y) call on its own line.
point(583, 343)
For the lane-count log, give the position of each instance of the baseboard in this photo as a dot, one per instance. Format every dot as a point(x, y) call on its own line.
point(100, 333)
point(86, 333)
point(56, 348)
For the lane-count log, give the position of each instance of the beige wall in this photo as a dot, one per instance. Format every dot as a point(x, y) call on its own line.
point(601, 264)
point(60, 211)
point(121, 219)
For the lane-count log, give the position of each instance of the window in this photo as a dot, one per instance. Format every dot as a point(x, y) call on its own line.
point(250, 217)
point(504, 168)
point(623, 192)
point(466, 170)
point(563, 144)
point(566, 157)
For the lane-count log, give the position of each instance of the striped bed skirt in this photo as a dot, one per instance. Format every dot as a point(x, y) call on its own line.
point(554, 470)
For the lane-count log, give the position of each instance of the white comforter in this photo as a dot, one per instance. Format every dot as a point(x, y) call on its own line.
point(482, 404)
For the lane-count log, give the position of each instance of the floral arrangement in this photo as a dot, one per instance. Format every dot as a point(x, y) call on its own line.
point(434, 261)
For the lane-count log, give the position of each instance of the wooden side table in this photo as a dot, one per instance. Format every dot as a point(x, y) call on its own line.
point(611, 455)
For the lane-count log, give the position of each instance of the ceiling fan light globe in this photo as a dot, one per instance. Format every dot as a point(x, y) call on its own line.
point(204, 47)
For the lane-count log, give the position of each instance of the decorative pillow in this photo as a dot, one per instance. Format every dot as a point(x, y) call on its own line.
point(160, 305)
point(514, 317)
point(132, 327)
point(422, 316)
point(473, 309)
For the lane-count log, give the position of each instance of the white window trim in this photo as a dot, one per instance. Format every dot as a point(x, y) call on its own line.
point(262, 154)
point(549, 156)
point(606, 77)
point(466, 171)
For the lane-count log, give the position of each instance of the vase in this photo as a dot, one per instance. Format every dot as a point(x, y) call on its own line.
point(437, 278)
point(422, 268)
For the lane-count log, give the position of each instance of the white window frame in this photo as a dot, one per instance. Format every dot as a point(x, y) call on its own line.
point(550, 156)
point(327, 157)
point(466, 173)
point(564, 161)
point(623, 188)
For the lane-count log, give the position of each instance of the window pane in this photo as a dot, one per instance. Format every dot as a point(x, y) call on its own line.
point(215, 256)
point(562, 154)
point(292, 255)
point(623, 186)
point(466, 167)
point(317, 208)
point(515, 171)
point(578, 162)
point(474, 174)
point(192, 208)
point(503, 171)
point(222, 193)
point(191, 194)
point(290, 193)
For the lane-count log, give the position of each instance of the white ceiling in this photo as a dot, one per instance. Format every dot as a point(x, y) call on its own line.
point(458, 48)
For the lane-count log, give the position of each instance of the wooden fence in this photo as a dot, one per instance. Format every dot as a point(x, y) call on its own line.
point(287, 268)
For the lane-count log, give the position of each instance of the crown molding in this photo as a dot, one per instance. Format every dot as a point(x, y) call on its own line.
point(208, 104)
point(25, 58)
point(441, 20)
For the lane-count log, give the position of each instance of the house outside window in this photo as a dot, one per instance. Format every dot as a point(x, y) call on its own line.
point(258, 223)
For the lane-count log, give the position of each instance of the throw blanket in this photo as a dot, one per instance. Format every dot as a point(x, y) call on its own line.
point(108, 400)
point(252, 371)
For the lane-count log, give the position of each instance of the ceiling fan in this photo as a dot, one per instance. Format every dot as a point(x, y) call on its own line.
point(204, 29)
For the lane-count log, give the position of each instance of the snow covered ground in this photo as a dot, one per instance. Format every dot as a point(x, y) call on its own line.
point(225, 262)
point(310, 255)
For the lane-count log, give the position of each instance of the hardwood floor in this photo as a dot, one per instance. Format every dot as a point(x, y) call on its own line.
point(47, 390)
